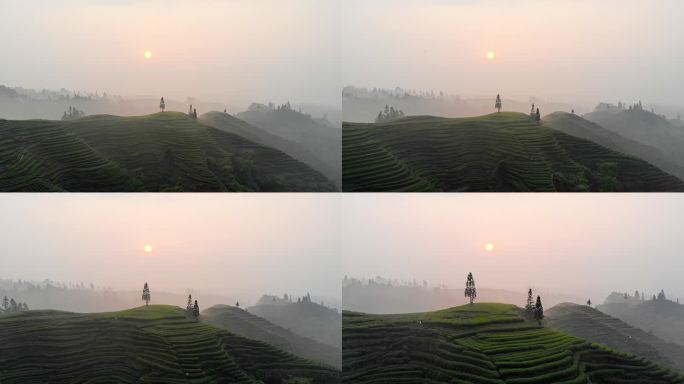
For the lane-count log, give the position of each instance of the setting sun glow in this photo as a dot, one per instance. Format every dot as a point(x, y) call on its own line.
point(489, 247)
point(147, 248)
point(490, 55)
point(148, 54)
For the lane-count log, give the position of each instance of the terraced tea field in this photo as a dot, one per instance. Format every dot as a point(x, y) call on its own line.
point(481, 343)
point(243, 323)
point(498, 152)
point(155, 344)
point(161, 152)
point(591, 324)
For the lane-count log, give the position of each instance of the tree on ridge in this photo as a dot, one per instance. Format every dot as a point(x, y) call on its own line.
point(188, 306)
point(146, 294)
point(470, 290)
point(538, 310)
point(497, 103)
point(529, 305)
point(195, 310)
point(162, 104)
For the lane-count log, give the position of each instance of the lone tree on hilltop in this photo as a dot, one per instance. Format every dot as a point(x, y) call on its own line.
point(497, 103)
point(237, 304)
point(194, 113)
point(162, 104)
point(470, 290)
point(146, 294)
point(532, 112)
point(529, 305)
point(188, 306)
point(195, 310)
point(190, 111)
point(589, 302)
point(537, 116)
point(538, 310)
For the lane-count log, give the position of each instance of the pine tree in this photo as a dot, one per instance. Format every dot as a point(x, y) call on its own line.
point(194, 114)
point(162, 104)
point(146, 294)
point(538, 310)
point(529, 305)
point(195, 310)
point(532, 112)
point(497, 103)
point(470, 290)
point(589, 302)
point(237, 304)
point(190, 111)
point(537, 116)
point(188, 306)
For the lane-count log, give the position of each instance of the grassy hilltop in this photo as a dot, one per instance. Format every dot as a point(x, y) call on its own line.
point(155, 344)
point(481, 343)
point(246, 324)
point(497, 152)
point(161, 152)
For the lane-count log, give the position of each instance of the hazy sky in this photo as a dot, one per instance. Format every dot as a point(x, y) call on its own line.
point(229, 244)
point(578, 51)
point(220, 50)
point(584, 245)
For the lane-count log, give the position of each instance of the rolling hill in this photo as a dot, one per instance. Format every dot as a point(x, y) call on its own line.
point(580, 127)
point(321, 140)
point(155, 344)
point(162, 152)
point(498, 152)
point(228, 123)
point(245, 324)
point(305, 318)
point(643, 127)
point(481, 343)
point(588, 323)
point(664, 318)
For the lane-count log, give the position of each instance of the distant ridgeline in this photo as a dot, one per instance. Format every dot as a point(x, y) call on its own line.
point(505, 152)
point(167, 151)
point(481, 343)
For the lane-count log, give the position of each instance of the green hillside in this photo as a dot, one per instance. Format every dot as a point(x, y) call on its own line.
point(498, 152)
point(481, 343)
point(588, 323)
point(245, 324)
point(155, 344)
point(321, 140)
point(161, 152)
point(580, 127)
point(664, 318)
point(228, 123)
point(308, 319)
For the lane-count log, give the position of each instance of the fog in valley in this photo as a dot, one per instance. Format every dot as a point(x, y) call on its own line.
point(83, 252)
point(418, 250)
point(120, 57)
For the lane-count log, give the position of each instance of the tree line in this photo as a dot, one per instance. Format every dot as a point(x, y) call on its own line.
point(389, 114)
point(12, 306)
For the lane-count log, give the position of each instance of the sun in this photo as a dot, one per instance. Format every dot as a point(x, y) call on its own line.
point(147, 248)
point(490, 55)
point(148, 54)
point(489, 247)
